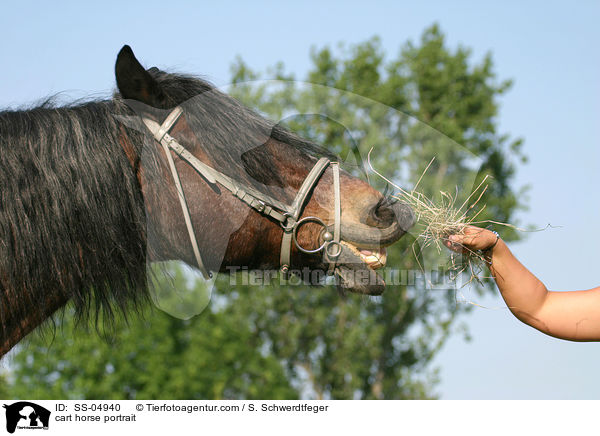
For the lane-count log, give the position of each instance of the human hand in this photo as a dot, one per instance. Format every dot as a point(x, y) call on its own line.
point(473, 238)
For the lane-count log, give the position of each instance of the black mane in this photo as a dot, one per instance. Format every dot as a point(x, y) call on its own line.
point(71, 212)
point(72, 218)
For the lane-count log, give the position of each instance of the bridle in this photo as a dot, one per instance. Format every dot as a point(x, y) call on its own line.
point(288, 216)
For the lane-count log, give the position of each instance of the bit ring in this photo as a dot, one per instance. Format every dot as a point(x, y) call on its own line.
point(313, 219)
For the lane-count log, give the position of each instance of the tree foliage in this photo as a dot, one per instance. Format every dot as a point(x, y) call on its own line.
point(154, 356)
point(277, 341)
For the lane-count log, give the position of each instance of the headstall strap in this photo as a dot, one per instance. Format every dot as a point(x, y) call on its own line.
point(159, 135)
point(291, 224)
point(332, 257)
point(288, 216)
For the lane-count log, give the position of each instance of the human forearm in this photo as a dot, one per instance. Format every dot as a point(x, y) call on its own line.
point(571, 315)
point(522, 291)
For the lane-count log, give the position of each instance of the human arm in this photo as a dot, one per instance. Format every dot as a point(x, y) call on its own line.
point(573, 315)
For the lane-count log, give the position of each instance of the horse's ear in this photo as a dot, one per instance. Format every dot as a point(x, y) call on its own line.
point(134, 82)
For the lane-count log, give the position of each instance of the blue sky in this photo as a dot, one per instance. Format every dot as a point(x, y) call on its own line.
point(548, 48)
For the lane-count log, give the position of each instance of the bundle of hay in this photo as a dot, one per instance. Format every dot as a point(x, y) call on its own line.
point(436, 221)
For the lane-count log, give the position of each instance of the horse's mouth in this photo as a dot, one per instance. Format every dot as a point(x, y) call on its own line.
point(374, 259)
point(356, 269)
point(364, 251)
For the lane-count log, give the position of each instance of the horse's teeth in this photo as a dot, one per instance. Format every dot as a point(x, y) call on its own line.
point(375, 260)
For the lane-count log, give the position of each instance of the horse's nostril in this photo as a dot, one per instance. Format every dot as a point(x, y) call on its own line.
point(382, 215)
point(385, 214)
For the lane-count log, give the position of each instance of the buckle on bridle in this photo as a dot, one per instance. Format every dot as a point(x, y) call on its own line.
point(289, 224)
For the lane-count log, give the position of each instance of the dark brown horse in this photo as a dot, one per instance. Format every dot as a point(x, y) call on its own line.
point(87, 197)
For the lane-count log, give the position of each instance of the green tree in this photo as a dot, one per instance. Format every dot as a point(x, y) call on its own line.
point(154, 356)
point(4, 387)
point(283, 342)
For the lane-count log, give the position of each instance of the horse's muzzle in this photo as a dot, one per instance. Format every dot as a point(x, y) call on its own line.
point(364, 235)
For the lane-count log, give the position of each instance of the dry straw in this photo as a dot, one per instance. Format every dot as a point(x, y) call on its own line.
point(436, 221)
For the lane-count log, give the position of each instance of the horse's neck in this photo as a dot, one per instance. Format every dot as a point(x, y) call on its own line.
point(103, 217)
point(16, 328)
point(21, 310)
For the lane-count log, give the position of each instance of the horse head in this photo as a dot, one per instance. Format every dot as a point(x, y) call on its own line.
point(342, 224)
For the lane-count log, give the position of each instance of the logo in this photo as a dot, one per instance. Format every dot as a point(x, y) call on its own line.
point(26, 415)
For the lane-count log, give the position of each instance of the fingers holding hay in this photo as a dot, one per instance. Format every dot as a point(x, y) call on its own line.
point(438, 220)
